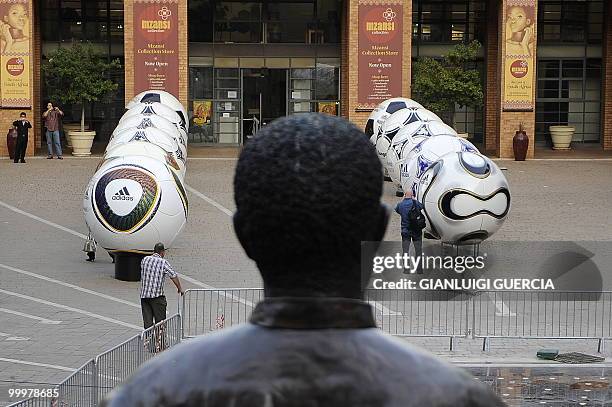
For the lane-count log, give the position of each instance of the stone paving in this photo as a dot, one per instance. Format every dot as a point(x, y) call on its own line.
point(552, 200)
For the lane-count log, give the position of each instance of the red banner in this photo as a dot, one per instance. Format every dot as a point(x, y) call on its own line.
point(156, 59)
point(380, 52)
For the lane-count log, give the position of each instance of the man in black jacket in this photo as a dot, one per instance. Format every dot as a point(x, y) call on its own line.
point(307, 193)
point(22, 125)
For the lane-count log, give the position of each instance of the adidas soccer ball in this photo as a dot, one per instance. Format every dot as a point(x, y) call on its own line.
point(159, 96)
point(397, 155)
point(153, 136)
point(146, 149)
point(466, 198)
point(133, 202)
point(142, 121)
point(383, 111)
point(425, 153)
point(159, 109)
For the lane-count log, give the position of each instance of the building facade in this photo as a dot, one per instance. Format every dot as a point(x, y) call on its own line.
point(237, 65)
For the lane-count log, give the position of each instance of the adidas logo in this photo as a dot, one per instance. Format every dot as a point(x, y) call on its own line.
point(123, 195)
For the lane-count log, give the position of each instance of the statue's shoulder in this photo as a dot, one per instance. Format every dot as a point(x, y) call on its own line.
point(177, 369)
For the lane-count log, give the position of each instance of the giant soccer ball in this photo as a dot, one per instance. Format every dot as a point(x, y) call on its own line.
point(146, 149)
point(466, 198)
point(425, 153)
point(403, 142)
point(142, 121)
point(394, 123)
point(149, 109)
point(383, 111)
point(133, 202)
point(151, 135)
point(159, 96)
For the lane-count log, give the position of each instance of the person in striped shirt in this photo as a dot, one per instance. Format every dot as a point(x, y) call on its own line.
point(154, 269)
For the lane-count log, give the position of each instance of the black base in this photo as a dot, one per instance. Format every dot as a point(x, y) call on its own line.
point(127, 265)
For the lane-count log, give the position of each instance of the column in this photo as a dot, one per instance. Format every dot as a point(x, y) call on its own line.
point(517, 68)
point(606, 113)
point(19, 76)
point(491, 107)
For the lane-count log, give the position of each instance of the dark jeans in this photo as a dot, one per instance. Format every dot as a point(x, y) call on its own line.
point(417, 242)
point(153, 309)
point(21, 146)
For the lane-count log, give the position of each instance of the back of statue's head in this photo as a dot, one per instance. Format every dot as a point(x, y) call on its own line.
point(307, 190)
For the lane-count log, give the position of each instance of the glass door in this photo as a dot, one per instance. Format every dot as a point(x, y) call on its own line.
point(264, 98)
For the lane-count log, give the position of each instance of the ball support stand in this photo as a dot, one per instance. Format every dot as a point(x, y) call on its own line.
point(127, 265)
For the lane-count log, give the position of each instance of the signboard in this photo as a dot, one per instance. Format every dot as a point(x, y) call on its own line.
point(519, 59)
point(156, 33)
point(380, 52)
point(15, 53)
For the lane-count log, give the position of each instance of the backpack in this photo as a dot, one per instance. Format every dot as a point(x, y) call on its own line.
point(416, 217)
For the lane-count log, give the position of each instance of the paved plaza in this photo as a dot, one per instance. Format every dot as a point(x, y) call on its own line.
point(57, 311)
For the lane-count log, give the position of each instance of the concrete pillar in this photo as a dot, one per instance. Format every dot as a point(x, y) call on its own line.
point(606, 114)
point(492, 99)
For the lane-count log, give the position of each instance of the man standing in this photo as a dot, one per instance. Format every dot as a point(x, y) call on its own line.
point(22, 125)
point(411, 231)
point(52, 117)
point(154, 269)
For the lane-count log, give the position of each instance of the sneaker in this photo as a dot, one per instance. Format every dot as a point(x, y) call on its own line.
point(23, 161)
point(60, 158)
point(49, 157)
point(15, 161)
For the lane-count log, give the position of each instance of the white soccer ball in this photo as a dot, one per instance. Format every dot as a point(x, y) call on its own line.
point(146, 149)
point(149, 109)
point(151, 135)
point(403, 142)
point(142, 121)
point(466, 198)
point(425, 153)
point(133, 202)
point(383, 111)
point(393, 124)
point(159, 96)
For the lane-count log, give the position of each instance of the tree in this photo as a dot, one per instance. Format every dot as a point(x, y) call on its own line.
point(441, 84)
point(78, 74)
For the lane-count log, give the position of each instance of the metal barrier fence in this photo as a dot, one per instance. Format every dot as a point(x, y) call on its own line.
point(402, 313)
point(452, 314)
point(78, 389)
point(88, 385)
point(31, 402)
point(542, 315)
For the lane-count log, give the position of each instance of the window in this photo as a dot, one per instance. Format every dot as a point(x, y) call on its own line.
point(312, 87)
point(570, 21)
point(101, 23)
point(271, 21)
point(568, 93)
point(200, 20)
point(435, 21)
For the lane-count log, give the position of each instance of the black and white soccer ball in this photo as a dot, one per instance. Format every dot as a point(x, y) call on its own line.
point(466, 198)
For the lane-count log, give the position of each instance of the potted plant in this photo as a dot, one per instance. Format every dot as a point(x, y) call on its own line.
point(441, 85)
point(561, 136)
point(78, 75)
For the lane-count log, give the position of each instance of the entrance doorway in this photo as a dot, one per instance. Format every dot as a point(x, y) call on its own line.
point(264, 98)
